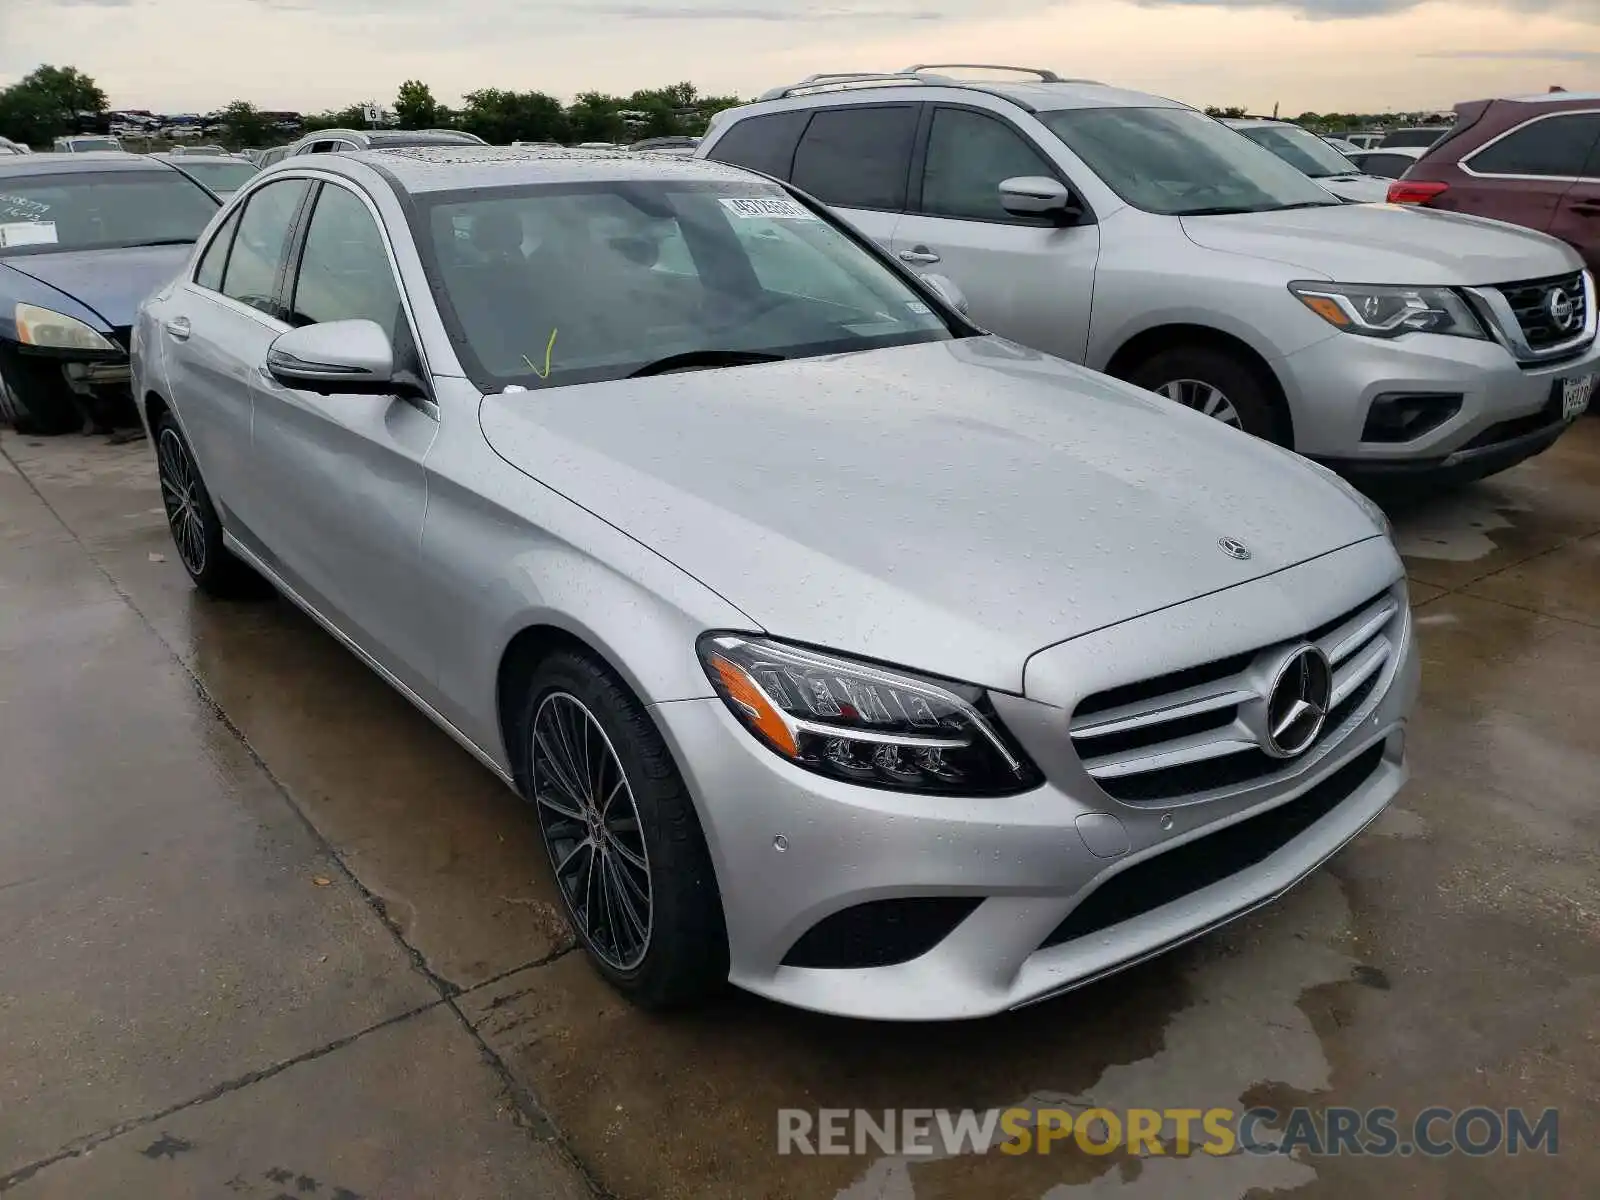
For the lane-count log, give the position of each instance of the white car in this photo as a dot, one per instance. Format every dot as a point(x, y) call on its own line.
point(1391, 162)
point(1313, 156)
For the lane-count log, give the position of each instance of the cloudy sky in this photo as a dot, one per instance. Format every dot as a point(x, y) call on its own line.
point(1366, 55)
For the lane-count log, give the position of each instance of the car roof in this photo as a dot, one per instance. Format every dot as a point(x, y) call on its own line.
point(1242, 122)
point(419, 169)
point(1557, 98)
point(168, 156)
point(74, 164)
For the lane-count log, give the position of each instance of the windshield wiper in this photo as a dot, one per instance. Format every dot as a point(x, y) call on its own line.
point(158, 242)
point(1305, 204)
point(694, 360)
point(1221, 210)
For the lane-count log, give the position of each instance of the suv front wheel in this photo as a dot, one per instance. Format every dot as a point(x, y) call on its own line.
point(1213, 382)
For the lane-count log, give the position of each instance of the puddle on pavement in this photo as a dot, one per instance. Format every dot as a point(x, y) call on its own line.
point(1455, 526)
point(1243, 1029)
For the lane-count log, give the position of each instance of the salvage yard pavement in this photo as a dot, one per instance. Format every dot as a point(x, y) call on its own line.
point(265, 932)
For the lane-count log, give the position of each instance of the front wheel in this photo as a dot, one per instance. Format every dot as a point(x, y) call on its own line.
point(192, 518)
point(1215, 383)
point(624, 840)
point(35, 398)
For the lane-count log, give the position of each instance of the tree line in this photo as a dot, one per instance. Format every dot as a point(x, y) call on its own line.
point(48, 103)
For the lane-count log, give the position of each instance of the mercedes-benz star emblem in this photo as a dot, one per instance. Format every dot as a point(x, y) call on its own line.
point(1298, 703)
point(1561, 309)
point(1234, 548)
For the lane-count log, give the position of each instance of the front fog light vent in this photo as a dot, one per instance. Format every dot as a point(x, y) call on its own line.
point(1406, 416)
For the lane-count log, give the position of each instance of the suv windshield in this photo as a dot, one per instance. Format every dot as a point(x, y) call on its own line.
point(100, 210)
point(1180, 162)
point(542, 286)
point(1417, 138)
point(1301, 149)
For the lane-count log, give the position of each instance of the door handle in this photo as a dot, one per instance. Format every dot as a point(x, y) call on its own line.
point(918, 254)
point(1586, 208)
point(178, 329)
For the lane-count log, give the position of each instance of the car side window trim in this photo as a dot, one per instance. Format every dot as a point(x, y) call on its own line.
point(297, 249)
point(1466, 163)
point(919, 158)
point(228, 229)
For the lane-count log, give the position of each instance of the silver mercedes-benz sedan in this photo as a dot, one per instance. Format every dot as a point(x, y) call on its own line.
point(878, 665)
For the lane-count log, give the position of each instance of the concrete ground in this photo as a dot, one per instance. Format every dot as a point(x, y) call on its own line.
point(265, 932)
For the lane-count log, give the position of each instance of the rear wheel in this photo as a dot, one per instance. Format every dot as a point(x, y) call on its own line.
point(623, 836)
point(192, 518)
point(1216, 383)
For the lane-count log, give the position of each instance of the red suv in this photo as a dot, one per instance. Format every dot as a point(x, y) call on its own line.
point(1530, 160)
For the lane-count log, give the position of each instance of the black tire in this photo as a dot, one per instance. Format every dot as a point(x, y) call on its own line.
point(1239, 381)
point(35, 398)
point(683, 957)
point(193, 521)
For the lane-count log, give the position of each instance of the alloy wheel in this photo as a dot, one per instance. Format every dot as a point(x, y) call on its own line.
point(180, 495)
point(592, 828)
point(1203, 398)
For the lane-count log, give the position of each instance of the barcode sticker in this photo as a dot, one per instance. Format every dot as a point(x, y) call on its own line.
point(776, 207)
point(28, 233)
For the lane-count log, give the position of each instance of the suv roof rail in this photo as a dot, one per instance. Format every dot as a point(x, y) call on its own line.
point(925, 75)
point(1044, 76)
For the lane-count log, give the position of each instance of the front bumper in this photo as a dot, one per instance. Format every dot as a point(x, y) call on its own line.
point(793, 849)
point(1504, 414)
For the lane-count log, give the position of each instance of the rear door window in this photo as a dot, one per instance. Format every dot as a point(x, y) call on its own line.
point(857, 157)
point(765, 143)
point(1553, 147)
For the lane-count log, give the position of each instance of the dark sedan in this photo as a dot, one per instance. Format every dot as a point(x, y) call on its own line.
point(84, 238)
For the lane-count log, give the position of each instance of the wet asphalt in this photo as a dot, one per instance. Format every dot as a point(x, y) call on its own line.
point(265, 932)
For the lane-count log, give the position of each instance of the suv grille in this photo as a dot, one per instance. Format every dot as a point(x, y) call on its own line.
point(1530, 302)
point(1180, 734)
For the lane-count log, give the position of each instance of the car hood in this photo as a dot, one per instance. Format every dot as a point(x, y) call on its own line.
point(952, 506)
point(1359, 189)
point(111, 282)
point(1388, 243)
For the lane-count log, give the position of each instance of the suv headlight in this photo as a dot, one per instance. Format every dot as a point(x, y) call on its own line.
point(51, 330)
point(865, 724)
point(1373, 310)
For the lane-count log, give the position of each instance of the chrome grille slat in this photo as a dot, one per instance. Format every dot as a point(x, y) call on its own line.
point(1192, 702)
point(1346, 640)
point(1196, 747)
point(1359, 670)
point(1147, 745)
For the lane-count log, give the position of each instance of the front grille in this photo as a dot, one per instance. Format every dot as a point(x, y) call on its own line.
point(1183, 734)
point(880, 933)
point(1530, 304)
point(1164, 878)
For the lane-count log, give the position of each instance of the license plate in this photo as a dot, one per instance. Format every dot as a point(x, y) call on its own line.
point(1575, 395)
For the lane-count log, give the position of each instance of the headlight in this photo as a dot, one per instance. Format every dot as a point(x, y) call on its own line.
point(865, 724)
point(56, 331)
point(1365, 502)
point(1385, 312)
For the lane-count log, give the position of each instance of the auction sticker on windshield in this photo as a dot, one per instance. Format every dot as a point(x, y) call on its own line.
point(779, 207)
point(1575, 394)
point(28, 233)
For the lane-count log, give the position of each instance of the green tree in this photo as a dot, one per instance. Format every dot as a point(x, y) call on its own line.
point(499, 117)
point(45, 104)
point(592, 117)
point(243, 124)
point(1232, 111)
point(415, 107)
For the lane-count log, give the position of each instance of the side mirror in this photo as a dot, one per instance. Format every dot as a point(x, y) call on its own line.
point(948, 291)
point(1038, 196)
point(337, 357)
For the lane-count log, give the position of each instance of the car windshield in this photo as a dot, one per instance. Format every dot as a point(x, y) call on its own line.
point(1415, 138)
point(564, 284)
point(1301, 149)
point(219, 175)
point(1180, 162)
point(98, 210)
point(79, 145)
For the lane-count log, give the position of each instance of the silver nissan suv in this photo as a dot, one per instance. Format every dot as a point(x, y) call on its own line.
point(1142, 238)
